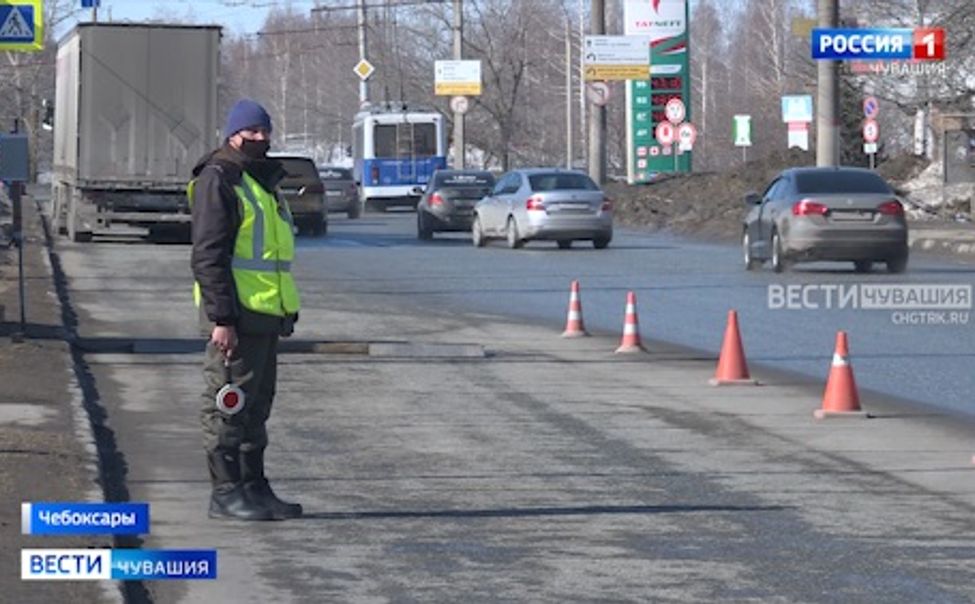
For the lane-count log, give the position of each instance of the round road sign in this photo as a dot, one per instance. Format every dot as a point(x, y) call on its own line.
point(871, 107)
point(675, 111)
point(597, 93)
point(459, 104)
point(665, 133)
point(871, 131)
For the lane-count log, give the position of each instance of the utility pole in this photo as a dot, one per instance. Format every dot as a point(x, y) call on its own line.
point(363, 84)
point(827, 95)
point(583, 125)
point(597, 114)
point(460, 159)
point(569, 153)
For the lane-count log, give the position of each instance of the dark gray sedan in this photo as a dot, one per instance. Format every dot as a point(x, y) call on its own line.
point(341, 192)
point(448, 201)
point(810, 214)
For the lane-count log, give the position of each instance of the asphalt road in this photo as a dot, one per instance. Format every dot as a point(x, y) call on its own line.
point(550, 470)
point(684, 290)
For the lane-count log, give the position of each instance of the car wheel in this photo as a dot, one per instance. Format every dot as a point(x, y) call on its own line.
point(746, 250)
point(319, 226)
point(354, 210)
point(779, 262)
point(514, 239)
point(897, 265)
point(477, 233)
point(423, 230)
point(862, 266)
point(564, 244)
point(601, 243)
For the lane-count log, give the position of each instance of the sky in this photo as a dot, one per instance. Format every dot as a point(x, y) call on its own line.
point(239, 16)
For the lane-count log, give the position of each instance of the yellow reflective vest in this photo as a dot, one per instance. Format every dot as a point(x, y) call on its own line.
point(263, 252)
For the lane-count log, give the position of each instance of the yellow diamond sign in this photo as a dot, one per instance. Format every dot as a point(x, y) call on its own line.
point(363, 69)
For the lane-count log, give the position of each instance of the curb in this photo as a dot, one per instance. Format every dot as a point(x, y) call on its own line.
point(962, 247)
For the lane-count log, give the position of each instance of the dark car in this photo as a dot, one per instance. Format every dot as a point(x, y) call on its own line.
point(448, 201)
point(832, 213)
point(302, 189)
point(341, 192)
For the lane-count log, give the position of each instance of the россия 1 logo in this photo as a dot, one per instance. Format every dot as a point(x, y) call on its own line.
point(919, 44)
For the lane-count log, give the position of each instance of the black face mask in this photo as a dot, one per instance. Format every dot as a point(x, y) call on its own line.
point(255, 149)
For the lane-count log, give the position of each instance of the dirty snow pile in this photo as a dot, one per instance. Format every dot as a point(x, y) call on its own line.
point(928, 198)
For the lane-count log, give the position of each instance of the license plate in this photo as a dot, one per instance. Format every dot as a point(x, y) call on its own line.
point(864, 216)
point(333, 193)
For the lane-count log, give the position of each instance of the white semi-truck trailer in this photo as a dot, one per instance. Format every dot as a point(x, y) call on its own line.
point(136, 107)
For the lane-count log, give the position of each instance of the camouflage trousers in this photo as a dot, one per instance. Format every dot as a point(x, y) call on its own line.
point(253, 368)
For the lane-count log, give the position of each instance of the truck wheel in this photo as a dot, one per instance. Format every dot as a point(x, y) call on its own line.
point(74, 232)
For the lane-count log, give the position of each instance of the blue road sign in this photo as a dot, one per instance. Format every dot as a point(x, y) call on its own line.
point(871, 107)
point(90, 3)
point(16, 23)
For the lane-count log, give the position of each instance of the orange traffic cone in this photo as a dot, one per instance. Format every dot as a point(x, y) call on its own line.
point(631, 328)
point(573, 324)
point(732, 366)
point(841, 398)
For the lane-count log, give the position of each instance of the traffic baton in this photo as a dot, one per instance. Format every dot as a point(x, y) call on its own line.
point(230, 398)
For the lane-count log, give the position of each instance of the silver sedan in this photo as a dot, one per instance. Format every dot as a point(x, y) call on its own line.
point(544, 204)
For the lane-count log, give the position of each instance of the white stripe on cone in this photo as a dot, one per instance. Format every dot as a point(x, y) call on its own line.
point(840, 361)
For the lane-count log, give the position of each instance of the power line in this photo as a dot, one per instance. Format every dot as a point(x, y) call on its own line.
point(385, 4)
point(303, 30)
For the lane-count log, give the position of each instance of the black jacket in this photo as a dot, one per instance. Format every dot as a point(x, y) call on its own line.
point(216, 219)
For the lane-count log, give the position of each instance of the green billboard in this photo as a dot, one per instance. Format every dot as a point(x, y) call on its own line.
point(665, 23)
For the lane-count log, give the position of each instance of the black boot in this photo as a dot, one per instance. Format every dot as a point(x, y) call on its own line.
point(259, 490)
point(229, 498)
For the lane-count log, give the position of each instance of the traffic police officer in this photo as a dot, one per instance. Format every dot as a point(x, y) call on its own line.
point(243, 246)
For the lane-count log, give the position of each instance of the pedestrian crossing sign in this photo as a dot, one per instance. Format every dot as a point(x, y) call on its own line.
point(21, 25)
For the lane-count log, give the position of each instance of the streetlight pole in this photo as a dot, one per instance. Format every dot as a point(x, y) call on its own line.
point(827, 93)
point(363, 83)
point(460, 159)
point(569, 152)
point(597, 113)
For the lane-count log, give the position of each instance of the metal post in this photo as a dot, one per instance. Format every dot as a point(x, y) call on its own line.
point(18, 235)
point(583, 124)
point(569, 153)
point(828, 98)
point(460, 159)
point(597, 123)
point(363, 84)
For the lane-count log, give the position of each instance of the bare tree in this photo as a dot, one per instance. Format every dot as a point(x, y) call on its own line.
point(27, 80)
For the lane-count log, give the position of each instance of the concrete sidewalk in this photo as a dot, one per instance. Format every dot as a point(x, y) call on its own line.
point(47, 451)
point(550, 470)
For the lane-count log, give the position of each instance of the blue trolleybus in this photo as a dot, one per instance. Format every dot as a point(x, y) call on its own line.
point(396, 149)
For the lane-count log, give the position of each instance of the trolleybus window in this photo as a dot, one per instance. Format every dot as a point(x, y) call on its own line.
point(405, 140)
